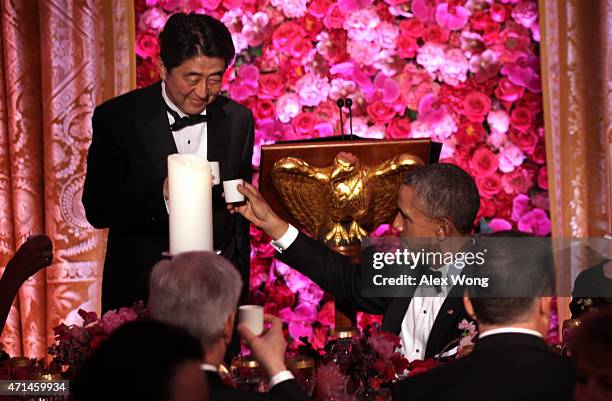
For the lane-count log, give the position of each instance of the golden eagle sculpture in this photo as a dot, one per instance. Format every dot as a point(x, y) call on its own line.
point(341, 203)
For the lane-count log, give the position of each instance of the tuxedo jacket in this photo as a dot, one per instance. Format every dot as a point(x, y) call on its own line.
point(123, 191)
point(288, 390)
point(502, 367)
point(345, 280)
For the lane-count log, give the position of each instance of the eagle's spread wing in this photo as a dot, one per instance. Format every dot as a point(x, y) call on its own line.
point(385, 180)
point(304, 190)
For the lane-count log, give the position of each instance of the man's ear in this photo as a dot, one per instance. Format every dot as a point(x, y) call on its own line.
point(163, 73)
point(469, 308)
point(545, 306)
point(229, 328)
point(445, 229)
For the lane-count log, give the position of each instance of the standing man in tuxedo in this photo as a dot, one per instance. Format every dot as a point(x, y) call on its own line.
point(510, 361)
point(435, 202)
point(133, 134)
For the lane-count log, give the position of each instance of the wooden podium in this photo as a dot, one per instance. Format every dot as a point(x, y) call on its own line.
point(320, 152)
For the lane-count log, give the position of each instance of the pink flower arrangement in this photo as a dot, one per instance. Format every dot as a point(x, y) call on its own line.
point(463, 73)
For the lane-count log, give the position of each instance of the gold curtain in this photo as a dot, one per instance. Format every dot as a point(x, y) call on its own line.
point(577, 80)
point(60, 58)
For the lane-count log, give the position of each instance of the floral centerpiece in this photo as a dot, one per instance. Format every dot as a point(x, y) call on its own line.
point(76, 343)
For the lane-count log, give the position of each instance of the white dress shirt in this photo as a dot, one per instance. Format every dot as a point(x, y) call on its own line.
point(422, 310)
point(192, 139)
point(280, 377)
point(506, 330)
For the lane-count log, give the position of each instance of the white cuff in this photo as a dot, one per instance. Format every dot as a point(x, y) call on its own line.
point(167, 207)
point(280, 377)
point(286, 240)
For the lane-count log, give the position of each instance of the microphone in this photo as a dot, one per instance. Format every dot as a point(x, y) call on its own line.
point(340, 104)
point(349, 104)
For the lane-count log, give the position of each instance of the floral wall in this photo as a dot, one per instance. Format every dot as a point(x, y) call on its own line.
point(464, 73)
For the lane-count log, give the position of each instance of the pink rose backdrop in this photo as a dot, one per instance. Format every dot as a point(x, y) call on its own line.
point(464, 73)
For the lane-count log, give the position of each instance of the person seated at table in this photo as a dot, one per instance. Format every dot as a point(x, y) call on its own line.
point(199, 291)
point(435, 202)
point(32, 256)
point(510, 361)
point(143, 360)
point(592, 287)
point(591, 346)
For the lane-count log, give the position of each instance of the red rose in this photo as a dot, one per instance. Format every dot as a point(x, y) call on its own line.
point(147, 45)
point(407, 46)
point(543, 178)
point(398, 128)
point(382, 9)
point(303, 124)
point(539, 154)
point(417, 366)
point(487, 208)
point(516, 182)
point(380, 112)
point(271, 86)
point(470, 134)
point(412, 27)
point(327, 314)
point(521, 118)
point(533, 101)
point(479, 20)
point(507, 91)
point(476, 106)
point(498, 12)
point(300, 47)
point(319, 8)
point(335, 17)
point(526, 140)
point(484, 162)
point(436, 34)
point(285, 34)
point(264, 109)
point(312, 25)
point(489, 185)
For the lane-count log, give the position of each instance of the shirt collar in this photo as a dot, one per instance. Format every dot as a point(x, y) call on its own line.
point(207, 367)
point(171, 104)
point(509, 330)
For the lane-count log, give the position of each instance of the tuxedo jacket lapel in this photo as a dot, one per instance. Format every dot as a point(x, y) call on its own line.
point(154, 128)
point(218, 133)
point(446, 322)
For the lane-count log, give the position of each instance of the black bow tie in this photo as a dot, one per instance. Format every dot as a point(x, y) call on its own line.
point(436, 274)
point(182, 122)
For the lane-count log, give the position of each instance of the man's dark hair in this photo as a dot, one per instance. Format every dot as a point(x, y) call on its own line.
point(190, 35)
point(520, 268)
point(592, 341)
point(138, 361)
point(445, 190)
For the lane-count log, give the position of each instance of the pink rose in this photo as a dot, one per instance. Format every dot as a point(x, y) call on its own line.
point(291, 8)
point(476, 106)
point(484, 162)
point(320, 8)
point(535, 222)
point(303, 124)
point(525, 13)
point(312, 89)
point(451, 17)
point(488, 185)
point(543, 178)
point(407, 46)
point(152, 19)
point(287, 107)
point(424, 9)
point(497, 12)
point(430, 56)
point(147, 46)
point(171, 5)
point(380, 112)
point(507, 91)
point(455, 67)
point(363, 52)
point(264, 109)
point(285, 34)
point(335, 17)
point(398, 128)
point(510, 157)
point(499, 225)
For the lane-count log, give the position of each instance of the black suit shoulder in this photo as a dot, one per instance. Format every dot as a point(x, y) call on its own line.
point(129, 101)
point(288, 390)
point(528, 371)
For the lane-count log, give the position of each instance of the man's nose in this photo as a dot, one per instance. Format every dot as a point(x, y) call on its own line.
point(202, 89)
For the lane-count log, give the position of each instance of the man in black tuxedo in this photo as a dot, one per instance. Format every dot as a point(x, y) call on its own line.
point(435, 202)
point(199, 291)
point(510, 361)
point(126, 183)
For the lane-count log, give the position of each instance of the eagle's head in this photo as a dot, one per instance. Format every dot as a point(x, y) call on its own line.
point(345, 165)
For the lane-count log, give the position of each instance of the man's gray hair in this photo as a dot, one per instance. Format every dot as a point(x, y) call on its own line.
point(197, 291)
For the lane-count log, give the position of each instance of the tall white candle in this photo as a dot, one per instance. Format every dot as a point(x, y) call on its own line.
point(190, 204)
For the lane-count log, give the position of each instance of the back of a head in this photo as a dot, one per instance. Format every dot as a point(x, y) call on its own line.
point(519, 269)
point(445, 190)
point(191, 35)
point(591, 344)
point(197, 291)
point(139, 361)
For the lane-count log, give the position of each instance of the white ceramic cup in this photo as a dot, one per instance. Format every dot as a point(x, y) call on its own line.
point(214, 168)
point(252, 316)
point(230, 188)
